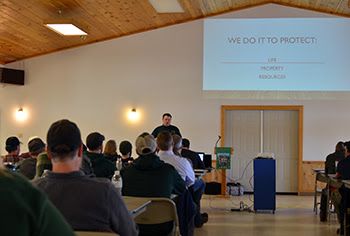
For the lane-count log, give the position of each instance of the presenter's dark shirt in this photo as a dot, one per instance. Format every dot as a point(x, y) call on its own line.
point(171, 129)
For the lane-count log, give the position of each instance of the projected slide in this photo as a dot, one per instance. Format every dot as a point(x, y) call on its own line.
point(294, 54)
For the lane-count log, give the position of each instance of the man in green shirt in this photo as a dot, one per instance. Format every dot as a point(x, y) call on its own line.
point(166, 126)
point(26, 211)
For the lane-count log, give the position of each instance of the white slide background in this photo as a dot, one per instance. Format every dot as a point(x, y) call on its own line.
point(294, 54)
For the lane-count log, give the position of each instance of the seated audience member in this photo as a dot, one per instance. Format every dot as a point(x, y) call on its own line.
point(86, 164)
point(44, 163)
point(27, 167)
point(87, 203)
point(165, 146)
point(24, 155)
point(178, 146)
point(337, 156)
point(344, 174)
point(330, 167)
point(125, 149)
point(101, 166)
point(148, 176)
point(197, 188)
point(110, 151)
point(26, 211)
point(13, 148)
point(193, 156)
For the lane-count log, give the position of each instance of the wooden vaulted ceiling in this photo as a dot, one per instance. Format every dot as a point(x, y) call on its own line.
point(23, 35)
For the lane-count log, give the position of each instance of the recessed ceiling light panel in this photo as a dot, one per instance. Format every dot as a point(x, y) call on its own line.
point(167, 6)
point(64, 27)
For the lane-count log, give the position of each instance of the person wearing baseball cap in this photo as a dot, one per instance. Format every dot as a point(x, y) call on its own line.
point(27, 167)
point(13, 148)
point(87, 203)
point(148, 176)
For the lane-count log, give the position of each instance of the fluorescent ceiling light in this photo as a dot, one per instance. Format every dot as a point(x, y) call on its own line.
point(167, 6)
point(65, 27)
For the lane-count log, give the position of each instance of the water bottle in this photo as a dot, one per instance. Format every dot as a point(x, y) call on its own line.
point(119, 164)
point(117, 181)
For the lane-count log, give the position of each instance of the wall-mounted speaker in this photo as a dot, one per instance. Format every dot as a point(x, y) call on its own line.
point(11, 76)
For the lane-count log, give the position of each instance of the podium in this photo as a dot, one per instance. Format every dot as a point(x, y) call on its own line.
point(228, 152)
point(265, 184)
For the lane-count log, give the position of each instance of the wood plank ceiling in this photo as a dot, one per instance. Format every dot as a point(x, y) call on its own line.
point(23, 35)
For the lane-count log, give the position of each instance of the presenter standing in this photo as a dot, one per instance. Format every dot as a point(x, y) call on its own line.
point(166, 126)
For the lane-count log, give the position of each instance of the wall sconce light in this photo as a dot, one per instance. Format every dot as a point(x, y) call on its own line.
point(21, 114)
point(133, 115)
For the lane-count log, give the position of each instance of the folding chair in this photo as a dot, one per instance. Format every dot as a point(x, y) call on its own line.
point(160, 210)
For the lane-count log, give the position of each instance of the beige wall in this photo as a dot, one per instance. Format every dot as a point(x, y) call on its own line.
point(157, 71)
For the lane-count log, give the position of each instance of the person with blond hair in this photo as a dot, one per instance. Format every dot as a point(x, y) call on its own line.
point(110, 151)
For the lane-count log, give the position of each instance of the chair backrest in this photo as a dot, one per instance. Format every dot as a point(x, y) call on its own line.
point(160, 210)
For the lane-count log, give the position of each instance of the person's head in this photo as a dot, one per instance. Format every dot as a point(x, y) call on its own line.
point(145, 144)
point(125, 148)
point(340, 146)
point(35, 146)
point(177, 144)
point(94, 141)
point(166, 119)
point(185, 143)
point(164, 141)
point(110, 148)
point(63, 141)
point(13, 145)
point(347, 148)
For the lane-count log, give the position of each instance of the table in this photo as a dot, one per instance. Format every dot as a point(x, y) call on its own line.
point(321, 177)
point(346, 183)
point(136, 205)
point(199, 173)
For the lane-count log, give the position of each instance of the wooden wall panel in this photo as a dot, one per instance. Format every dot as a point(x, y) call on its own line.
point(214, 176)
point(308, 176)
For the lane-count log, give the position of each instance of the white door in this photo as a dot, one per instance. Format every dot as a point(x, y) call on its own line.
point(281, 138)
point(250, 132)
point(243, 134)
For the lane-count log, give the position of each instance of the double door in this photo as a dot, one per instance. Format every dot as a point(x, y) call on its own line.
point(251, 132)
